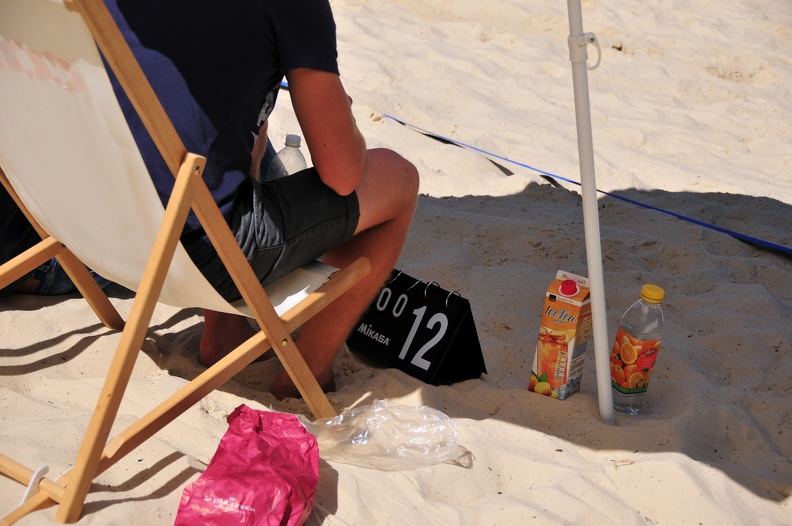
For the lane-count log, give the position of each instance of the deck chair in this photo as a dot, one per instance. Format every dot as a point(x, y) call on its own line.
point(69, 160)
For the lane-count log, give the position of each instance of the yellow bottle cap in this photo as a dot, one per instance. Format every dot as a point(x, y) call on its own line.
point(652, 293)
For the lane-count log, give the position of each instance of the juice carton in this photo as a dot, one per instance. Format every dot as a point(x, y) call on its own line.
point(563, 333)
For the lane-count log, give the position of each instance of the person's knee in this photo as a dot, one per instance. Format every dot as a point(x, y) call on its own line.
point(412, 180)
point(389, 189)
point(406, 177)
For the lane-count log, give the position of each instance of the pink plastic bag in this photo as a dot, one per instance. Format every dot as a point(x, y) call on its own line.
point(265, 472)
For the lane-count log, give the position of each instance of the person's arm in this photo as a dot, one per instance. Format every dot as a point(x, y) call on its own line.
point(322, 107)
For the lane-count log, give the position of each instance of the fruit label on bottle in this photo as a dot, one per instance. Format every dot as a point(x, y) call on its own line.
point(631, 362)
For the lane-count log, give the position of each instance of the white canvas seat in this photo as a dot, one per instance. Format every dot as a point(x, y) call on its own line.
point(69, 159)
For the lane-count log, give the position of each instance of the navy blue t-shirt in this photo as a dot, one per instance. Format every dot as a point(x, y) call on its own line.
point(216, 66)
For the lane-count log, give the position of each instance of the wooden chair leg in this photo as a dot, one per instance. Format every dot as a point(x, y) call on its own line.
point(85, 467)
point(90, 290)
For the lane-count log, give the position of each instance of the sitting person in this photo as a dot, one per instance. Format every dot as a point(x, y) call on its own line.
point(18, 235)
point(217, 68)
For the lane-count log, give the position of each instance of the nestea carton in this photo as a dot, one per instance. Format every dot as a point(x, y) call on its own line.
point(563, 334)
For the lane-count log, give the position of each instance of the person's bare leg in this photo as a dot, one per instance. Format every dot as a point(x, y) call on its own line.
point(222, 333)
point(387, 199)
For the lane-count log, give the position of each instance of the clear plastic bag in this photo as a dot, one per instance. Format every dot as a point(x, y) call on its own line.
point(390, 436)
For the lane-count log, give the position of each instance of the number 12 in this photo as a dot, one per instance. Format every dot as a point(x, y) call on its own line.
point(418, 360)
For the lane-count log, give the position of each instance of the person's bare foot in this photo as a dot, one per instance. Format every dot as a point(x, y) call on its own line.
point(282, 386)
point(222, 334)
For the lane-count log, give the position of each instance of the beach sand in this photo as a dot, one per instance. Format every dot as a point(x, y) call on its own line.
point(692, 115)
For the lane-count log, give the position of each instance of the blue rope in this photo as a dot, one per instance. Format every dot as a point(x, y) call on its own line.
point(767, 245)
point(742, 237)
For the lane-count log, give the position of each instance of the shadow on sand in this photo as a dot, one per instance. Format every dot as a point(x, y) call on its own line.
point(720, 393)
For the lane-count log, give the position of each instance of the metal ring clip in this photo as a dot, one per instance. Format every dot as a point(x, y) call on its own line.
point(449, 296)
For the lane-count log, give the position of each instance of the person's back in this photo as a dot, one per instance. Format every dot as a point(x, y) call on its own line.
point(216, 68)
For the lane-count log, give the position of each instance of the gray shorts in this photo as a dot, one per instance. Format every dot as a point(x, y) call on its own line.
point(282, 225)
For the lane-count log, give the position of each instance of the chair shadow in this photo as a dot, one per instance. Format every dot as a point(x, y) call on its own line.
point(175, 483)
point(90, 333)
point(50, 360)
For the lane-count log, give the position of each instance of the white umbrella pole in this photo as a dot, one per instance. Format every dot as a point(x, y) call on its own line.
point(578, 42)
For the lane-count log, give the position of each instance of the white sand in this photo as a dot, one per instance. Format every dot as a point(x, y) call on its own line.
point(691, 112)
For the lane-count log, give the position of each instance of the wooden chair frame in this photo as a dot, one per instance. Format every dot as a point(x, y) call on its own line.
point(96, 454)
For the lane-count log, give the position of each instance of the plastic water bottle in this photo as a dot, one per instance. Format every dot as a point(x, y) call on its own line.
point(635, 350)
point(287, 161)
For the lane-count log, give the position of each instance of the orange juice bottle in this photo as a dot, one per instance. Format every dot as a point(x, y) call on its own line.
point(635, 350)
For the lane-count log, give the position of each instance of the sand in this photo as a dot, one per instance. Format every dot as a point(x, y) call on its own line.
point(691, 111)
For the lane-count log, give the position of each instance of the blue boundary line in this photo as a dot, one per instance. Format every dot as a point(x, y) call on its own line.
point(742, 237)
point(767, 245)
